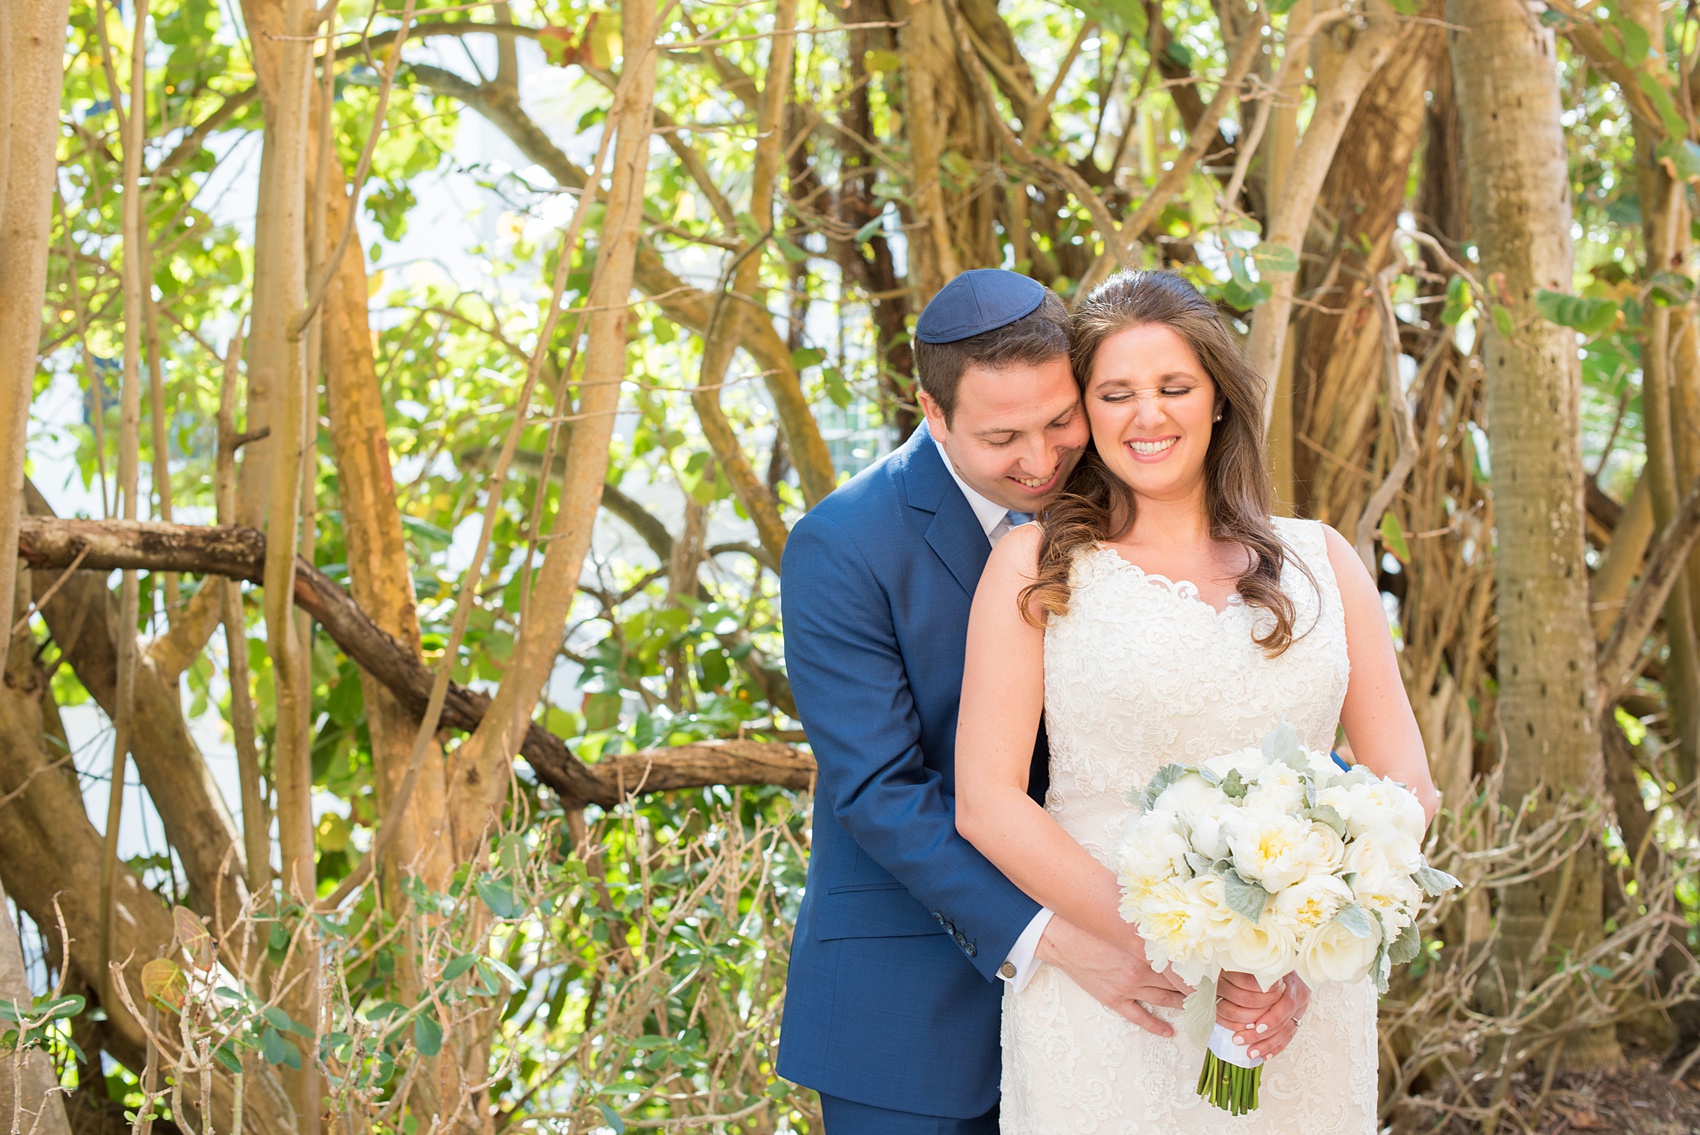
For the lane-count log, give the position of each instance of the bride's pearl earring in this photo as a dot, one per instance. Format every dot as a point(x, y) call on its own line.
point(1218, 416)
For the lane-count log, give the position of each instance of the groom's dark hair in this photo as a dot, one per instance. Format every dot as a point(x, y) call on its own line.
point(1038, 337)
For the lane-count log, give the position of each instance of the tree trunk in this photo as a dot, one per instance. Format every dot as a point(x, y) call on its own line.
point(27, 1083)
point(481, 766)
point(379, 575)
point(1514, 150)
point(32, 39)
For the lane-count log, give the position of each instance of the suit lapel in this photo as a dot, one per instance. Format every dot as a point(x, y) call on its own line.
point(954, 533)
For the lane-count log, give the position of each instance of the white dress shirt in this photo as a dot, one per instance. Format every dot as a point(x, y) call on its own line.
point(1018, 967)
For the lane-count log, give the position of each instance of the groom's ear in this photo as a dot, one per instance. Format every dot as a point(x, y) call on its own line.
point(935, 413)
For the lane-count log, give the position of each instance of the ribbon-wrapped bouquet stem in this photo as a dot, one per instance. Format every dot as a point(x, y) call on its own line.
point(1272, 861)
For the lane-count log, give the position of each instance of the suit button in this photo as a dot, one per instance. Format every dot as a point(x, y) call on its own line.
point(938, 918)
point(961, 939)
point(971, 949)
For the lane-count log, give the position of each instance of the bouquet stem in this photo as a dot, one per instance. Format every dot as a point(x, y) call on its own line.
point(1230, 1078)
point(1228, 1086)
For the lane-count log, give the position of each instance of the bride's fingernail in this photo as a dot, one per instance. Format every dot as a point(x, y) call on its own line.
point(1239, 1038)
point(1261, 1029)
point(1253, 1054)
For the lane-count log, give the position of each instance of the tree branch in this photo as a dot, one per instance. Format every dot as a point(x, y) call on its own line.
point(1664, 569)
point(239, 553)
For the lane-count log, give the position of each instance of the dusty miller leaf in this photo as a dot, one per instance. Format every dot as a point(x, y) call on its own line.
point(1434, 881)
point(1406, 946)
point(1198, 1013)
point(1244, 897)
point(1356, 919)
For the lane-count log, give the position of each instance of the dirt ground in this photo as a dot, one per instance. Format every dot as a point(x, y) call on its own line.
point(1641, 1100)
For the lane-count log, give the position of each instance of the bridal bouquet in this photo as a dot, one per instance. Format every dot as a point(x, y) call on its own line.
point(1272, 861)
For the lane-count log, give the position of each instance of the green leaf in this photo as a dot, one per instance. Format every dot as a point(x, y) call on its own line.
point(1198, 1013)
point(613, 1118)
point(602, 710)
point(427, 1035)
point(458, 966)
point(499, 897)
point(1275, 258)
point(1329, 817)
point(1243, 896)
point(1124, 17)
point(1179, 54)
point(1234, 785)
point(1282, 745)
point(1460, 298)
point(1281, 7)
point(1393, 538)
point(778, 1090)
point(885, 61)
point(1406, 946)
point(1586, 314)
point(277, 1050)
point(1159, 783)
point(1433, 881)
point(1671, 288)
point(1356, 919)
point(1502, 322)
point(1675, 125)
point(226, 1055)
point(59, 1008)
point(1626, 40)
point(1405, 7)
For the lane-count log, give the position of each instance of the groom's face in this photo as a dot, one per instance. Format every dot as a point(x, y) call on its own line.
point(1016, 431)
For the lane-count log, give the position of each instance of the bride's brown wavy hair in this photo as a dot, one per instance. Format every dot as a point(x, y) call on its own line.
point(1096, 505)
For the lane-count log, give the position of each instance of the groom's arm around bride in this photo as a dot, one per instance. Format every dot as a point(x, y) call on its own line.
point(892, 1000)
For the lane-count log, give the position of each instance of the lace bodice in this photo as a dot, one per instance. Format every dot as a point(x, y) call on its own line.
point(1139, 673)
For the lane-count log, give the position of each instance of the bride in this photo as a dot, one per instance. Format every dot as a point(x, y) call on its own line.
point(1159, 613)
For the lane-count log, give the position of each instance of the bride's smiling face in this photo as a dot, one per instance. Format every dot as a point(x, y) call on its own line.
point(1152, 406)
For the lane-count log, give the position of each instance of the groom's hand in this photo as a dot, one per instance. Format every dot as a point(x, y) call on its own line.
point(1264, 1022)
point(1123, 981)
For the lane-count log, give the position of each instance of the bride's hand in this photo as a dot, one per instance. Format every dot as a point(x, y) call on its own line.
point(1115, 977)
point(1264, 1022)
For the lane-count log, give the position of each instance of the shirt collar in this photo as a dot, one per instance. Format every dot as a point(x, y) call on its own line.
point(988, 513)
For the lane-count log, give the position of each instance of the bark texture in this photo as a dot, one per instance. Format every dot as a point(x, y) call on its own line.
point(32, 38)
point(1506, 76)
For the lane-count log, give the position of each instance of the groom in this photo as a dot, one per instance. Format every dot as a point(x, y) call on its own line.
point(906, 933)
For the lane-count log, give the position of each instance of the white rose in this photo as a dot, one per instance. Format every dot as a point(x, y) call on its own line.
point(1323, 770)
point(1333, 953)
point(1209, 829)
point(1220, 922)
point(1271, 849)
point(1338, 797)
point(1310, 902)
point(1266, 949)
point(1279, 788)
point(1327, 851)
point(1250, 762)
point(1186, 797)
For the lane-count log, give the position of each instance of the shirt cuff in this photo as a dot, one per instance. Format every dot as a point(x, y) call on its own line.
point(1017, 969)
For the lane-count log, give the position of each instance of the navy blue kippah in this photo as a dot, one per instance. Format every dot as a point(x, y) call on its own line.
point(979, 300)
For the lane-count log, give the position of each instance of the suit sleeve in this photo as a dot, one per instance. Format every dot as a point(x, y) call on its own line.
point(852, 691)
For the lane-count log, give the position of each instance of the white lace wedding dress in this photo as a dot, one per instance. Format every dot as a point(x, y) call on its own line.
point(1142, 672)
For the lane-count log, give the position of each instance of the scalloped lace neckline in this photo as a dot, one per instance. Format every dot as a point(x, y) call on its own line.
point(1182, 589)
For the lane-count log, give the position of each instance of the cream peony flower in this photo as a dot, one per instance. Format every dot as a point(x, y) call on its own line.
point(1279, 788)
point(1310, 902)
point(1269, 848)
point(1397, 898)
point(1174, 921)
point(1380, 854)
point(1333, 953)
point(1328, 850)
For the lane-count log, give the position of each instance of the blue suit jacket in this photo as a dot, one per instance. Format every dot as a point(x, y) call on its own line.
point(893, 996)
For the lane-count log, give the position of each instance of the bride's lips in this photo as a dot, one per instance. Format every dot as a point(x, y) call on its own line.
point(1040, 490)
point(1150, 451)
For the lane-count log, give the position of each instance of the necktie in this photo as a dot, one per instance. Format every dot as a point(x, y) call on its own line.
point(1011, 519)
point(1017, 519)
